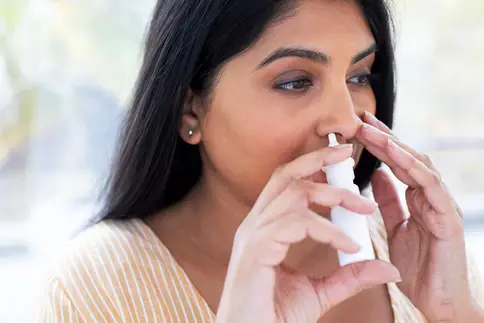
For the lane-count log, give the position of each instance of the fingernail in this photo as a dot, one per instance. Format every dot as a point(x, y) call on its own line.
point(344, 146)
point(397, 280)
point(370, 116)
point(396, 148)
point(392, 144)
point(367, 127)
point(355, 246)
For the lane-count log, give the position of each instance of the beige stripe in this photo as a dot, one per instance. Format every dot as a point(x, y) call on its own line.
point(104, 276)
point(209, 315)
point(398, 307)
point(85, 290)
point(123, 239)
point(155, 284)
point(77, 295)
point(406, 310)
point(61, 301)
point(110, 258)
point(197, 299)
point(150, 236)
point(142, 274)
point(183, 284)
point(129, 279)
point(122, 277)
point(379, 243)
point(182, 303)
point(69, 312)
point(85, 256)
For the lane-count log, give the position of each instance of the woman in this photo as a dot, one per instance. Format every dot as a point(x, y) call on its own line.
point(217, 202)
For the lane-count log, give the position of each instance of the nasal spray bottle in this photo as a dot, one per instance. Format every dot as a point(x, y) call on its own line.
point(354, 225)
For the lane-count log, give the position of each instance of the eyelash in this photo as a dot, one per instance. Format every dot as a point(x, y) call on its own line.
point(306, 83)
point(367, 79)
point(304, 80)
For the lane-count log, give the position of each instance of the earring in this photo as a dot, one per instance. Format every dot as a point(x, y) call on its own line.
point(190, 132)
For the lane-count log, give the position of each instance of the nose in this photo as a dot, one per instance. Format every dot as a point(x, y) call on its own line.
point(338, 115)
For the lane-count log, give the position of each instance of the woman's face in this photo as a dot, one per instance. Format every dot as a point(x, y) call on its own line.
point(305, 78)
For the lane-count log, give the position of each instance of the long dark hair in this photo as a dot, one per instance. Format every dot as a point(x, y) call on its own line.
point(188, 41)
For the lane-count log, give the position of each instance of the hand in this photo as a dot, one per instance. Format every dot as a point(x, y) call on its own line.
point(258, 287)
point(428, 247)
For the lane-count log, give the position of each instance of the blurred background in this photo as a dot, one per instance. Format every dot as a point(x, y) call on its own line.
point(67, 68)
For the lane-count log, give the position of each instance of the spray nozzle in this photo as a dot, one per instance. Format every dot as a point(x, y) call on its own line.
point(332, 140)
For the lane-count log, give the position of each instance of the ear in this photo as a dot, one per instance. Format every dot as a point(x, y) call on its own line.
point(190, 130)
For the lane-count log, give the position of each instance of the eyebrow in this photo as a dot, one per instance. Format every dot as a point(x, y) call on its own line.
point(312, 55)
point(364, 54)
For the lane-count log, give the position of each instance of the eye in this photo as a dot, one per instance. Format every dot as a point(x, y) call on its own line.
point(295, 85)
point(362, 80)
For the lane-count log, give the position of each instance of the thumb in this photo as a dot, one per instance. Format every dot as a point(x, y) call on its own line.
point(353, 279)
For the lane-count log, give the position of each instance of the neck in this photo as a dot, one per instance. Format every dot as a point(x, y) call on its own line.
point(210, 215)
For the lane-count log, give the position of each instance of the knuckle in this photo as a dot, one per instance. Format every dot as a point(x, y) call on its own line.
point(425, 158)
point(325, 301)
point(415, 162)
point(240, 234)
point(300, 189)
point(343, 193)
point(436, 179)
point(356, 270)
point(279, 172)
point(284, 174)
point(243, 235)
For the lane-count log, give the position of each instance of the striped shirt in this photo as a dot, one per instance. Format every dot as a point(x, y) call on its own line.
point(121, 272)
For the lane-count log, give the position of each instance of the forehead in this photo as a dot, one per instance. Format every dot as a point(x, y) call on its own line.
point(331, 26)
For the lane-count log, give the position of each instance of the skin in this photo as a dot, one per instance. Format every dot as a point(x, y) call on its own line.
point(262, 150)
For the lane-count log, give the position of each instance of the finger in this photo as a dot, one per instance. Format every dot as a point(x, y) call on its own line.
point(301, 167)
point(439, 225)
point(376, 143)
point(386, 196)
point(304, 224)
point(301, 193)
point(372, 120)
point(378, 133)
point(417, 201)
point(429, 180)
point(353, 279)
point(297, 226)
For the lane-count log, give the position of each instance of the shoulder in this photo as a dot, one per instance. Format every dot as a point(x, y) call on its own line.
point(108, 272)
point(106, 249)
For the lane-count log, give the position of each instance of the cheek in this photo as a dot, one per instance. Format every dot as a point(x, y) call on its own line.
point(364, 100)
point(253, 117)
point(246, 137)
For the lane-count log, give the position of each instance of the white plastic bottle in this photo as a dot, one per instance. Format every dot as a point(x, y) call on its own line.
point(354, 225)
